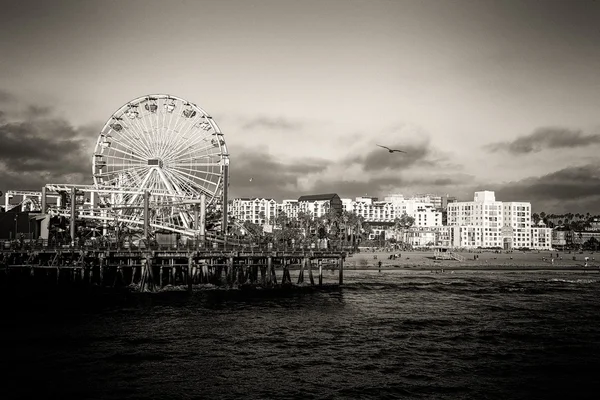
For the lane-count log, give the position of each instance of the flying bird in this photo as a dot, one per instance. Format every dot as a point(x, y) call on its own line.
point(391, 150)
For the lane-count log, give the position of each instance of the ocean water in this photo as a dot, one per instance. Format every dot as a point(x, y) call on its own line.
point(388, 335)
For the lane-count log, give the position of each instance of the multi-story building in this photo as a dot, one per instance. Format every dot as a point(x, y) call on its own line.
point(318, 205)
point(517, 217)
point(541, 237)
point(290, 208)
point(482, 217)
point(421, 237)
point(581, 237)
point(256, 210)
point(483, 222)
point(374, 211)
point(562, 238)
point(434, 199)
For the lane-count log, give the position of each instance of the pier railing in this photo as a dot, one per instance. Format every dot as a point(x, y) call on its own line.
point(191, 245)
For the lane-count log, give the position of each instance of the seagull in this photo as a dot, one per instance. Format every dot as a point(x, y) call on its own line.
point(391, 150)
point(250, 179)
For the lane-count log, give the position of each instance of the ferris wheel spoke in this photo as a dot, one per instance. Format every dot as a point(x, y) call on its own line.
point(193, 177)
point(154, 130)
point(120, 158)
point(194, 186)
point(145, 131)
point(191, 190)
point(187, 127)
point(133, 144)
point(169, 132)
point(164, 131)
point(131, 154)
point(140, 137)
point(128, 135)
point(191, 152)
point(217, 174)
point(173, 141)
point(148, 133)
point(195, 140)
point(190, 166)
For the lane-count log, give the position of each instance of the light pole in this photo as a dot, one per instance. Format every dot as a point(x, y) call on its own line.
point(345, 218)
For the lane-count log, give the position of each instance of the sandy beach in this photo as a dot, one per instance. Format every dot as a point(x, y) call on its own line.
point(486, 260)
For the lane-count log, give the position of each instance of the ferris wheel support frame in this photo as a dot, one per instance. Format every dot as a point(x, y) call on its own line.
point(171, 185)
point(225, 199)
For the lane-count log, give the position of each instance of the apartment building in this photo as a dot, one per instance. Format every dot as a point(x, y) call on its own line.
point(541, 237)
point(517, 218)
point(482, 217)
point(256, 210)
point(290, 208)
point(318, 205)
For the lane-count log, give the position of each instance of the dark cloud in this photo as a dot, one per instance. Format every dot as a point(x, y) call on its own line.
point(378, 159)
point(38, 148)
point(545, 138)
point(256, 173)
point(44, 145)
point(280, 124)
point(383, 185)
point(6, 97)
point(352, 188)
point(277, 179)
point(569, 188)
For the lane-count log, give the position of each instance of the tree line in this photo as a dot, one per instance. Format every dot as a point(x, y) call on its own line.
point(344, 228)
point(576, 222)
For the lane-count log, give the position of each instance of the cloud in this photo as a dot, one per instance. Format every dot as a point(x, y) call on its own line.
point(571, 188)
point(380, 186)
point(352, 188)
point(256, 173)
point(545, 138)
point(38, 147)
point(6, 97)
point(280, 124)
point(379, 159)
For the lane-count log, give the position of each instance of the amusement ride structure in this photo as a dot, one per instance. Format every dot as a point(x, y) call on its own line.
point(160, 167)
point(160, 164)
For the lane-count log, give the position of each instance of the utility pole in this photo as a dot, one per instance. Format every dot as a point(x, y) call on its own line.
point(73, 214)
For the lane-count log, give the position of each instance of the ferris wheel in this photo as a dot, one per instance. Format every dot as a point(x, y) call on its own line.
point(166, 146)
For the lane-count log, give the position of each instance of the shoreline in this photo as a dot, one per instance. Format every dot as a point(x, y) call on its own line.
point(490, 268)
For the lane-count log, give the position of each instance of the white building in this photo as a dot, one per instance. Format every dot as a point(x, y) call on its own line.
point(517, 218)
point(491, 223)
point(482, 217)
point(290, 208)
point(541, 237)
point(319, 205)
point(257, 210)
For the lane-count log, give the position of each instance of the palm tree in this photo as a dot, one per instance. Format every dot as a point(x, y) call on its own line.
point(261, 217)
point(306, 221)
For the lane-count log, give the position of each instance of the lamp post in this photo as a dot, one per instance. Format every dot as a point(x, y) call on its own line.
point(345, 218)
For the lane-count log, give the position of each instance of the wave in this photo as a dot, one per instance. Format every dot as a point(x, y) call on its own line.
point(584, 281)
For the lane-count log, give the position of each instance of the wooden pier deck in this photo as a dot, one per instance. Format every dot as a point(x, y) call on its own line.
point(154, 267)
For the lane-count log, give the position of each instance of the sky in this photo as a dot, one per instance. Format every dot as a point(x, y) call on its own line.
point(483, 95)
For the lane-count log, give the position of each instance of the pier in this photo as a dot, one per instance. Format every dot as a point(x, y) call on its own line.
point(152, 268)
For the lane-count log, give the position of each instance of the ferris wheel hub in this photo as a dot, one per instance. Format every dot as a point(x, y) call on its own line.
point(157, 162)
